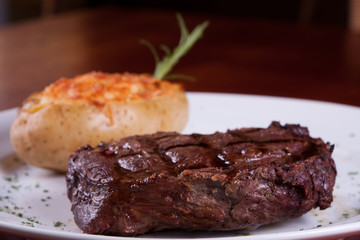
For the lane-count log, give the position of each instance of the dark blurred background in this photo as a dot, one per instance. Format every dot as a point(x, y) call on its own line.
point(315, 12)
point(296, 48)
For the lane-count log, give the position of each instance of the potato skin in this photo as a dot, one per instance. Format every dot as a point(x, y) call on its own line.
point(44, 135)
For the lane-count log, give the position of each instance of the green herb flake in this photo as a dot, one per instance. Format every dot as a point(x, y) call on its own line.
point(30, 219)
point(58, 224)
point(353, 173)
point(9, 179)
point(345, 215)
point(33, 220)
point(319, 225)
point(15, 187)
point(30, 224)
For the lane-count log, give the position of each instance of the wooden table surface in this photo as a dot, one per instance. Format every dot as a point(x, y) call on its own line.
point(236, 55)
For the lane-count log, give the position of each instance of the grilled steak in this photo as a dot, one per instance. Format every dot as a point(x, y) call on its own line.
point(243, 178)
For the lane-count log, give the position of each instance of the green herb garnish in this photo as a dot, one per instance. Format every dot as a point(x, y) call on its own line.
point(171, 58)
point(28, 224)
point(33, 220)
point(58, 224)
point(9, 179)
point(15, 187)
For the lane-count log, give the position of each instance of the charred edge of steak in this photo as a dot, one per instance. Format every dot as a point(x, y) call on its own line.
point(240, 179)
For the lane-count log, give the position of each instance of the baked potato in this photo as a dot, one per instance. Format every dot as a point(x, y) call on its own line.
point(91, 108)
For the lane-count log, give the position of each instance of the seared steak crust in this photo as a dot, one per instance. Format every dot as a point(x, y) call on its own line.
point(243, 178)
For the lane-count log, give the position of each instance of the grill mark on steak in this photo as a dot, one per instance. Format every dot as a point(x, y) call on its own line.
point(242, 178)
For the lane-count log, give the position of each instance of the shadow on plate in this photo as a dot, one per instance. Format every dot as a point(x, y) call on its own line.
point(10, 163)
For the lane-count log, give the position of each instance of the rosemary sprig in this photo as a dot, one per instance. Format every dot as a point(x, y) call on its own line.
point(171, 58)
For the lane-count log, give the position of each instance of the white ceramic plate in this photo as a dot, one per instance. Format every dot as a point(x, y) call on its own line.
point(33, 201)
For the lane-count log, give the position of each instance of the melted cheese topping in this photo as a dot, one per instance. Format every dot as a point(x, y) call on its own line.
point(97, 88)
